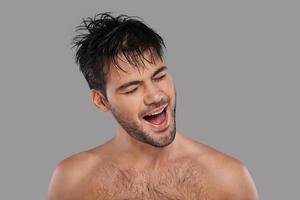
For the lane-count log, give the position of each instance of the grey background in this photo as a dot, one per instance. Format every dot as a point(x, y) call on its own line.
point(235, 65)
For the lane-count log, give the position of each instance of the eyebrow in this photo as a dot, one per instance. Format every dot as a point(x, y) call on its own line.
point(130, 83)
point(162, 68)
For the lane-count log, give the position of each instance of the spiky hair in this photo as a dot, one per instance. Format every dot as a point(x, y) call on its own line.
point(102, 39)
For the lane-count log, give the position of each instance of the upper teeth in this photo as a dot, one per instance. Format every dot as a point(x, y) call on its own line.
point(155, 113)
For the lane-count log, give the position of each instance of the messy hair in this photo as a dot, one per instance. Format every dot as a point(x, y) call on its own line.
point(102, 39)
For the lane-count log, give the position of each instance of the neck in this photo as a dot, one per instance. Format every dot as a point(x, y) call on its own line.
point(140, 154)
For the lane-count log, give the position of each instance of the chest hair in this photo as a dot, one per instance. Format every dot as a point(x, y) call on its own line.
point(184, 181)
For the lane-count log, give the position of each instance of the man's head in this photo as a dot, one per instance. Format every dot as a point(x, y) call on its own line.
point(122, 61)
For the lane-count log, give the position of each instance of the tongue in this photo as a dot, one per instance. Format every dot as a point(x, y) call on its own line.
point(156, 119)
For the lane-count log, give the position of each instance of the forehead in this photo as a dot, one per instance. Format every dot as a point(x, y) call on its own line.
point(124, 70)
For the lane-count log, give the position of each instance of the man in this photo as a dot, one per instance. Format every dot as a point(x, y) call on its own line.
point(148, 159)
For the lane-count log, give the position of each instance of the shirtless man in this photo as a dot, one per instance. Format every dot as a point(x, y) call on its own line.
point(147, 159)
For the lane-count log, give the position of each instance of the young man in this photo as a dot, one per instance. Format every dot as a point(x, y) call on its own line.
point(147, 159)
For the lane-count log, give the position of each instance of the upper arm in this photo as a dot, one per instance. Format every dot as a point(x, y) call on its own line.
point(239, 183)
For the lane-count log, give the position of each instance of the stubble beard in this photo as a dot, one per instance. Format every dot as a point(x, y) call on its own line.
point(139, 133)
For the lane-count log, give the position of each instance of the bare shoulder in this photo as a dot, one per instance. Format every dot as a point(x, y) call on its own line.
point(225, 172)
point(231, 175)
point(70, 175)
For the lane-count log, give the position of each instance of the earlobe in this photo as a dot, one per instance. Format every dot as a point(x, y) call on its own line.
point(99, 100)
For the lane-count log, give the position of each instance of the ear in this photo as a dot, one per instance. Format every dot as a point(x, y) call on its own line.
point(99, 100)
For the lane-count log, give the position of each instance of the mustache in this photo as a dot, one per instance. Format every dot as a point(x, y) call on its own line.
point(152, 106)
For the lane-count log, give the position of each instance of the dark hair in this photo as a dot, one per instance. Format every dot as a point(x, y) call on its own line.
point(106, 38)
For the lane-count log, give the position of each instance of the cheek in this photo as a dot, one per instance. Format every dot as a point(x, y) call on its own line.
point(168, 86)
point(127, 105)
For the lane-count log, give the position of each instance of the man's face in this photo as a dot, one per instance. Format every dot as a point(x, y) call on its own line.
point(143, 101)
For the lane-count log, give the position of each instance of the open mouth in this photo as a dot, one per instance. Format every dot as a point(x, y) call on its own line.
point(158, 120)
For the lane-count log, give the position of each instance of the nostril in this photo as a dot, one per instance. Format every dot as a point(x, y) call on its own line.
point(153, 101)
point(154, 98)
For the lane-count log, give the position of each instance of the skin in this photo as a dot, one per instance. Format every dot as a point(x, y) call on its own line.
point(131, 167)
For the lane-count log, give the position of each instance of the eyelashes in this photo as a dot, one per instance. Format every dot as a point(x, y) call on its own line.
point(159, 78)
point(155, 79)
point(131, 91)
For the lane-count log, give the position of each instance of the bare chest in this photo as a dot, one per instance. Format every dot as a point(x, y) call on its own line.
point(172, 183)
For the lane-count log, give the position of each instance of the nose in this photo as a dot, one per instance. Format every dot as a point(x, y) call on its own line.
point(153, 95)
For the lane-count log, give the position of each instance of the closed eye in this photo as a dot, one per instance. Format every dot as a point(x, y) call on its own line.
point(159, 77)
point(131, 91)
